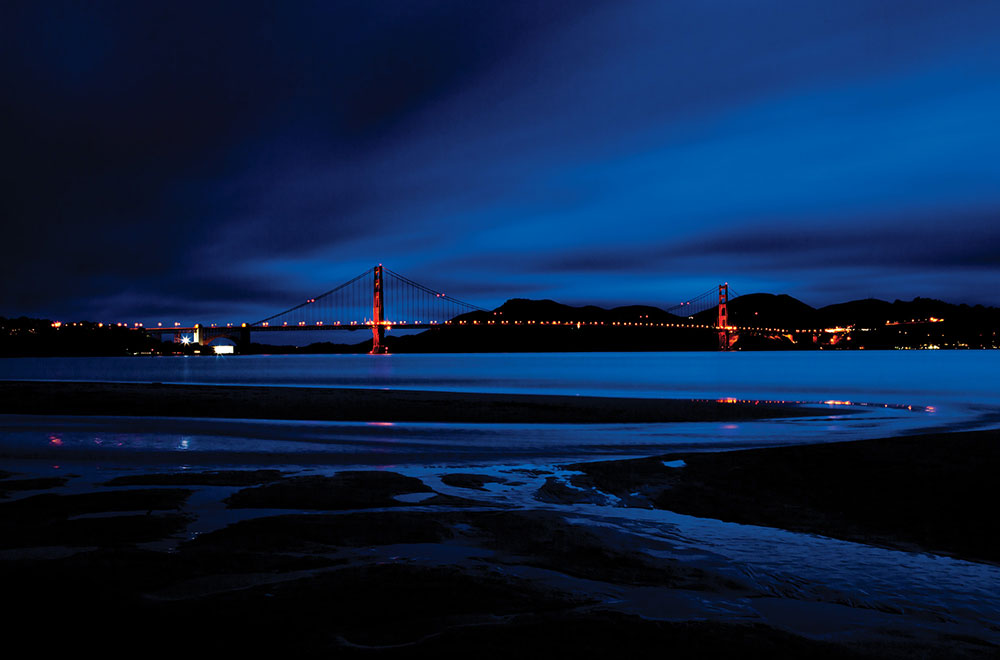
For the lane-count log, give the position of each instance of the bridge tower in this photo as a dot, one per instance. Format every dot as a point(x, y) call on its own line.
point(723, 322)
point(378, 316)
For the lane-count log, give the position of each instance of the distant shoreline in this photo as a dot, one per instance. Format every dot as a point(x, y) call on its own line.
point(352, 404)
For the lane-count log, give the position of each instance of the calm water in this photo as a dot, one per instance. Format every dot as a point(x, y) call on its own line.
point(822, 586)
point(903, 377)
point(887, 393)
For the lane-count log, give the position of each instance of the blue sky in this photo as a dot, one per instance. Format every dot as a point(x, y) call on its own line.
point(215, 163)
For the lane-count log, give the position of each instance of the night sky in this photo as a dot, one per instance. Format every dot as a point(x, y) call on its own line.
point(218, 161)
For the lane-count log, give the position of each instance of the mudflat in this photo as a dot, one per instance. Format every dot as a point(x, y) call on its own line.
point(933, 492)
point(377, 562)
point(344, 404)
point(363, 569)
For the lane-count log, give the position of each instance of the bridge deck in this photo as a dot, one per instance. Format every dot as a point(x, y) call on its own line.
point(389, 325)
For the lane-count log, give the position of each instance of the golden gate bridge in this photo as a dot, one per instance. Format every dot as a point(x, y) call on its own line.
point(380, 299)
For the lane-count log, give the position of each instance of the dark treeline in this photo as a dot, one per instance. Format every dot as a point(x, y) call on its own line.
point(517, 326)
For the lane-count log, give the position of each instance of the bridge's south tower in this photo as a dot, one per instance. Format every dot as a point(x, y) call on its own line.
point(723, 323)
point(378, 315)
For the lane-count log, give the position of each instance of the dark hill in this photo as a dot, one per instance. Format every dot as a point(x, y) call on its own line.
point(524, 325)
point(641, 312)
point(874, 313)
point(765, 310)
point(869, 312)
point(521, 309)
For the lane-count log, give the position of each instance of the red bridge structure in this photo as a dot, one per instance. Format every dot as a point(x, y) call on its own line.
point(380, 299)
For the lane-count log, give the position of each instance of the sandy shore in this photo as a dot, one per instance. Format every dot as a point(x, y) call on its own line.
point(377, 562)
point(368, 562)
point(342, 404)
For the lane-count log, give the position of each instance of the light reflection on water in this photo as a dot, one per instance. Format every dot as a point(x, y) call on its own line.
point(214, 441)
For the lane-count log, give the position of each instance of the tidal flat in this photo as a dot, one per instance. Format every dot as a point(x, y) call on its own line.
point(872, 548)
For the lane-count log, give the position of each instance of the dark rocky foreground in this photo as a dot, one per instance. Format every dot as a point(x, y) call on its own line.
point(377, 563)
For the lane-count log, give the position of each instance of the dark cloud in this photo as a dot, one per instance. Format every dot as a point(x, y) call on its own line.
point(134, 133)
point(918, 242)
point(215, 157)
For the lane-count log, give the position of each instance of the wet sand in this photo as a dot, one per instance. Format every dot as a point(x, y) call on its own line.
point(343, 404)
point(375, 562)
point(384, 576)
point(930, 493)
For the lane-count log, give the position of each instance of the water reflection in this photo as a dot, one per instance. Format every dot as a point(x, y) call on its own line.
point(232, 440)
point(896, 377)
